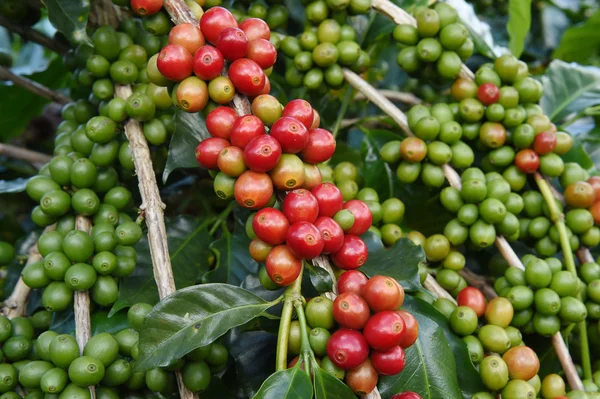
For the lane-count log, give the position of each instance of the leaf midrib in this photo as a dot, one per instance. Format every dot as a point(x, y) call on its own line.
point(572, 98)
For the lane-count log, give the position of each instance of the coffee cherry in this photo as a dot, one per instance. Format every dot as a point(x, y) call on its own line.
point(245, 129)
point(288, 174)
point(332, 233)
point(351, 311)
point(207, 152)
point(188, 36)
point(384, 330)
point(175, 62)
point(407, 395)
point(411, 331)
point(300, 206)
point(253, 190)
point(329, 199)
point(208, 62)
point(219, 122)
point(232, 43)
point(214, 21)
point(291, 134)
point(146, 8)
point(262, 153)
point(413, 149)
point(352, 281)
point(473, 298)
point(247, 77)
point(262, 52)
point(362, 217)
point(580, 195)
point(352, 255)
point(362, 379)
point(259, 250)
point(304, 240)
point(347, 348)
point(488, 93)
point(255, 28)
point(383, 293)
point(282, 266)
point(544, 143)
point(192, 94)
point(312, 176)
point(527, 160)
point(320, 147)
point(271, 226)
point(300, 110)
point(522, 362)
point(390, 362)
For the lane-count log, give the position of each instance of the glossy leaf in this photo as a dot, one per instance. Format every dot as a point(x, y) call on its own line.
point(329, 387)
point(70, 17)
point(580, 43)
point(189, 261)
point(64, 322)
point(519, 23)
point(569, 88)
point(319, 278)
point(190, 130)
point(400, 262)
point(377, 174)
point(193, 317)
point(286, 384)
point(13, 186)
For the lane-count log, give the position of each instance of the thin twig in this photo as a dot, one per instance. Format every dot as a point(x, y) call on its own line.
point(33, 157)
point(407, 98)
point(33, 35)
point(34, 87)
point(16, 303)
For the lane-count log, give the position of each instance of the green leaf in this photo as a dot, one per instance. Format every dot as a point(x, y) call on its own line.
point(70, 17)
point(377, 174)
point(400, 262)
point(481, 32)
point(13, 186)
point(580, 43)
point(189, 261)
point(319, 278)
point(286, 384)
point(64, 322)
point(194, 317)
point(519, 23)
point(190, 129)
point(329, 387)
point(569, 88)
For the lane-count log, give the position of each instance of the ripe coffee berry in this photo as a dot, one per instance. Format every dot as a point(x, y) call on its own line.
point(207, 152)
point(262, 153)
point(320, 146)
point(282, 266)
point(232, 43)
point(255, 28)
point(270, 225)
point(253, 190)
point(146, 7)
point(347, 348)
point(219, 122)
point(300, 206)
point(406, 395)
point(214, 21)
point(383, 293)
point(247, 77)
point(208, 62)
point(362, 217)
point(488, 93)
point(188, 36)
point(332, 233)
point(300, 110)
point(304, 240)
point(174, 62)
point(411, 331)
point(473, 298)
point(352, 281)
point(527, 160)
point(390, 362)
point(352, 255)
point(329, 198)
point(544, 143)
point(245, 129)
point(384, 330)
point(262, 52)
point(291, 134)
point(351, 311)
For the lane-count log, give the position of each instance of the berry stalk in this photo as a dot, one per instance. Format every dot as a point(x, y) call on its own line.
point(291, 294)
point(305, 350)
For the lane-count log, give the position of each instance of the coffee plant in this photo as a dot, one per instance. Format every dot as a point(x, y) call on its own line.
point(392, 199)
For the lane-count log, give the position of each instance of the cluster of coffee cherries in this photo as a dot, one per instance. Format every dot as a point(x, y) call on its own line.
point(254, 164)
point(309, 224)
point(198, 65)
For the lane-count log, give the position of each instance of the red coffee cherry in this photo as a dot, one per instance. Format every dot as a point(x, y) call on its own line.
point(282, 266)
point(291, 134)
point(352, 255)
point(408, 395)
point(300, 110)
point(527, 160)
point(174, 62)
point(232, 43)
point(188, 36)
point(473, 298)
point(207, 152)
point(347, 348)
point(214, 21)
point(351, 311)
point(255, 28)
point(383, 293)
point(316, 120)
point(362, 217)
point(390, 362)
point(304, 240)
point(300, 206)
point(259, 250)
point(262, 153)
point(544, 143)
point(271, 226)
point(320, 146)
point(329, 198)
point(332, 233)
point(146, 7)
point(208, 62)
point(384, 330)
point(245, 129)
point(262, 52)
point(362, 379)
point(411, 332)
point(219, 122)
point(192, 94)
point(352, 281)
point(267, 87)
point(488, 93)
point(247, 77)
point(253, 190)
